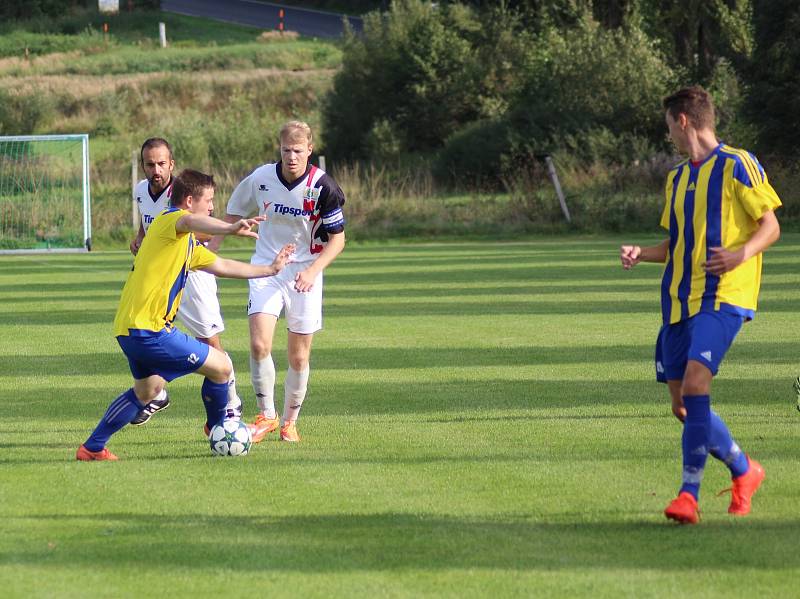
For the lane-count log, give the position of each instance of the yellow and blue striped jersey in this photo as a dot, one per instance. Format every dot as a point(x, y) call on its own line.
point(152, 293)
point(716, 203)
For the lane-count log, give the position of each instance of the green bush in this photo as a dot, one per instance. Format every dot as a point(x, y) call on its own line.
point(474, 155)
point(418, 74)
point(726, 88)
point(591, 79)
point(600, 145)
point(482, 93)
point(785, 178)
point(404, 70)
point(383, 142)
point(26, 114)
point(773, 101)
point(37, 9)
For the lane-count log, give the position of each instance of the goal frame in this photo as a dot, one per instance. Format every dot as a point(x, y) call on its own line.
point(86, 185)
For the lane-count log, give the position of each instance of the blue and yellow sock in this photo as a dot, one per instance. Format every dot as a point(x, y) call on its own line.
point(215, 401)
point(695, 441)
point(119, 413)
point(724, 448)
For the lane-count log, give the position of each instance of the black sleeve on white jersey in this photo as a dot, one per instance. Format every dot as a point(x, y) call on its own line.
point(331, 200)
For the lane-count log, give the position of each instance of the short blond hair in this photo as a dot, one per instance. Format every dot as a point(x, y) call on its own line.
point(296, 131)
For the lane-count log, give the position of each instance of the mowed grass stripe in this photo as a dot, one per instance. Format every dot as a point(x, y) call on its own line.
point(482, 419)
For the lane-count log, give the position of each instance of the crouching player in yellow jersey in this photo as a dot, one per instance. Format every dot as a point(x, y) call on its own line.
point(156, 351)
point(720, 216)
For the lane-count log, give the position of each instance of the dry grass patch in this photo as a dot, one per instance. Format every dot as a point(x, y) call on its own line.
point(87, 86)
point(278, 36)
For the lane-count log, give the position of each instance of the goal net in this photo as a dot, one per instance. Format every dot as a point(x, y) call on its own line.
point(45, 202)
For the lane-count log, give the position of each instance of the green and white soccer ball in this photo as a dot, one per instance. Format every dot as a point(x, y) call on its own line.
point(230, 437)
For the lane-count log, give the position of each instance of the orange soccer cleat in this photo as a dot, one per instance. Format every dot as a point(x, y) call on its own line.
point(289, 432)
point(262, 427)
point(683, 509)
point(744, 487)
point(84, 455)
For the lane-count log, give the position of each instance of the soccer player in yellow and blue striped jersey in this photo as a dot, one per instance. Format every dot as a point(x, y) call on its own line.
point(157, 352)
point(719, 212)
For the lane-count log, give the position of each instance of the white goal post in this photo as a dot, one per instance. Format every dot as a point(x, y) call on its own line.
point(45, 195)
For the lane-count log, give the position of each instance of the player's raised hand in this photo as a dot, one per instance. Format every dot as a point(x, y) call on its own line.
point(283, 257)
point(243, 226)
point(723, 260)
point(630, 256)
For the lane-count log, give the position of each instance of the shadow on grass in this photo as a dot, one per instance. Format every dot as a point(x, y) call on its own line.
point(452, 400)
point(399, 542)
point(400, 359)
point(457, 307)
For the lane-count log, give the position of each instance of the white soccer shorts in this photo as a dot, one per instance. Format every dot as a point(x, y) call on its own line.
point(199, 312)
point(271, 295)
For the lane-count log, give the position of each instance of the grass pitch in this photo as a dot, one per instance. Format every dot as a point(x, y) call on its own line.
point(482, 420)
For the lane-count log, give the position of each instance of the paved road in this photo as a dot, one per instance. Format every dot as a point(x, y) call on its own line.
point(264, 14)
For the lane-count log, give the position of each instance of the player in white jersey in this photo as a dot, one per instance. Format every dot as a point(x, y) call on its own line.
point(199, 312)
point(152, 194)
point(302, 205)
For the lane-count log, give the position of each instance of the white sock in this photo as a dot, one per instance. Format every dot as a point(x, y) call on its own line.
point(234, 403)
point(262, 373)
point(161, 395)
point(294, 392)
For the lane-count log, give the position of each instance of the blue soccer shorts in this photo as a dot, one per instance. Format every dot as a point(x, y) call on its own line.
point(705, 338)
point(168, 353)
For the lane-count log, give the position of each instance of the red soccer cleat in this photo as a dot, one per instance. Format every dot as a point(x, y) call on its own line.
point(683, 509)
point(744, 487)
point(84, 455)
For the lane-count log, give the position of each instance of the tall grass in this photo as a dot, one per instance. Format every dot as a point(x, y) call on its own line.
point(289, 56)
point(29, 45)
point(384, 202)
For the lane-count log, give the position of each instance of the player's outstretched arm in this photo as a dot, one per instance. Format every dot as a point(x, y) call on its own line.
point(200, 223)
point(631, 255)
point(216, 241)
point(233, 269)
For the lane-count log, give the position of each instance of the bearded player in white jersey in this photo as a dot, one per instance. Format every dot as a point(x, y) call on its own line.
point(199, 312)
point(302, 205)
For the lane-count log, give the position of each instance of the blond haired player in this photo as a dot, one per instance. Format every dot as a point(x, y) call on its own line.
point(300, 204)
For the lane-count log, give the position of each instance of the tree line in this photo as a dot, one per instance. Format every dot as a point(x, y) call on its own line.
point(471, 87)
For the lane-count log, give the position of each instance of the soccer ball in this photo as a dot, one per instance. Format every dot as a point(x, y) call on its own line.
point(231, 437)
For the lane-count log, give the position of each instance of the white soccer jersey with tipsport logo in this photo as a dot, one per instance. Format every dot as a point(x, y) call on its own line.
point(304, 212)
point(150, 207)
